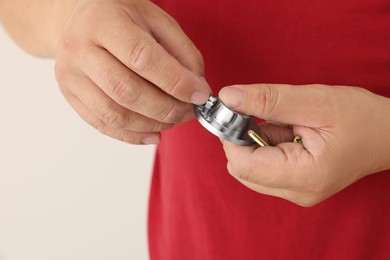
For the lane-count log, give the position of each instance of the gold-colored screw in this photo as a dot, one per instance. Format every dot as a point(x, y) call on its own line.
point(257, 138)
point(297, 139)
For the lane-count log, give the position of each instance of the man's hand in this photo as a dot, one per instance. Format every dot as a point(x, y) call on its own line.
point(128, 69)
point(124, 65)
point(345, 134)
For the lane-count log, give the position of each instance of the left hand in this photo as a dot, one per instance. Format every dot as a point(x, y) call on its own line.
point(345, 134)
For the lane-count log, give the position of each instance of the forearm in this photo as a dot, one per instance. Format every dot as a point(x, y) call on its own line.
point(34, 24)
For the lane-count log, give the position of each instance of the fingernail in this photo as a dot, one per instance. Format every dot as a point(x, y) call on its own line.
point(150, 140)
point(232, 97)
point(199, 98)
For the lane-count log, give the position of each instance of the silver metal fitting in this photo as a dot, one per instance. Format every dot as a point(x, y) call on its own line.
point(225, 123)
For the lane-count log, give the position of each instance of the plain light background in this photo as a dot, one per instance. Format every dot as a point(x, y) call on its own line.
point(66, 191)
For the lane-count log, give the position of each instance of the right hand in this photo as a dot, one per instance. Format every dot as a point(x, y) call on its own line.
point(128, 69)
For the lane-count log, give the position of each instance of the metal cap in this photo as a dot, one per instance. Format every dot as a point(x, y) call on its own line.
point(225, 123)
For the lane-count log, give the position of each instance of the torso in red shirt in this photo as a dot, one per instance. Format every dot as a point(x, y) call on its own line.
point(197, 210)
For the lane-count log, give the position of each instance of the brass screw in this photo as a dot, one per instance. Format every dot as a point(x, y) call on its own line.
point(262, 143)
point(257, 138)
point(297, 139)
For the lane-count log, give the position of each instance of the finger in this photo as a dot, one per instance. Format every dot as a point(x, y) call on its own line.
point(119, 134)
point(110, 112)
point(169, 34)
point(274, 192)
point(283, 166)
point(275, 134)
point(308, 105)
point(143, 55)
point(300, 198)
point(131, 91)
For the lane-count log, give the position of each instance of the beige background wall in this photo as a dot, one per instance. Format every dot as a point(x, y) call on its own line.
point(66, 191)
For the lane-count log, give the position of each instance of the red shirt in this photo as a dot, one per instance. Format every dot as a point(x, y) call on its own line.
point(197, 210)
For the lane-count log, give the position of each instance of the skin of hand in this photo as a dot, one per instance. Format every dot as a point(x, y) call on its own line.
point(345, 134)
point(126, 67)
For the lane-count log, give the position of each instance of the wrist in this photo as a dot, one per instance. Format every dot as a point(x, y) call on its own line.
point(36, 26)
point(59, 15)
point(387, 127)
point(384, 132)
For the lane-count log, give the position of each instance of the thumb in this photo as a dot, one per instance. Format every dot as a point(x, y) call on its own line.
point(306, 105)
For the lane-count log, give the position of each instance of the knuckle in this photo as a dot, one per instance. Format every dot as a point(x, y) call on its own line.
point(158, 126)
point(117, 86)
point(148, 125)
point(61, 71)
point(128, 137)
point(68, 43)
point(99, 125)
point(171, 114)
point(175, 84)
point(133, 95)
point(155, 126)
point(141, 54)
point(252, 172)
point(71, 49)
point(122, 90)
point(115, 118)
point(268, 96)
point(244, 174)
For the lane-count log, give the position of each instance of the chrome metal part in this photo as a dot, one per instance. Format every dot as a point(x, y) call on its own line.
point(225, 123)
